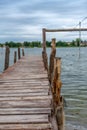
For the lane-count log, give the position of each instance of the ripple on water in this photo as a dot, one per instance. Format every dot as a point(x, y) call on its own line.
point(74, 79)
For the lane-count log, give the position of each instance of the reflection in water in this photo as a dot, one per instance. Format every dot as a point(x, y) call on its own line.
point(74, 79)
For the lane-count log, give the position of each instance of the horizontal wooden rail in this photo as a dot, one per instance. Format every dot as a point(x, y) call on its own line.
point(65, 30)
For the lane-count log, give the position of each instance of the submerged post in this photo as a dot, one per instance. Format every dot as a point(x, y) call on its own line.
point(52, 56)
point(60, 117)
point(19, 56)
point(7, 52)
point(15, 57)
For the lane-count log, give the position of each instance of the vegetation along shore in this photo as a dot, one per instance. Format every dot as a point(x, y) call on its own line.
point(73, 43)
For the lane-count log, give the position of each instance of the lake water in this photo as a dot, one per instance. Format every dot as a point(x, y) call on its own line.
point(74, 79)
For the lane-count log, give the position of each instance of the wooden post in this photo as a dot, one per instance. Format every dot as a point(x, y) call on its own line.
point(44, 39)
point(23, 52)
point(52, 56)
point(15, 57)
point(46, 61)
point(44, 54)
point(7, 52)
point(54, 81)
point(58, 80)
point(19, 56)
point(58, 100)
point(60, 117)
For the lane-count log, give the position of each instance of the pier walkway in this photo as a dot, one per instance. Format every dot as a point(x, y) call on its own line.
point(25, 96)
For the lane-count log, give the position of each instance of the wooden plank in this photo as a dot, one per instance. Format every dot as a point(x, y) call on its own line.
point(27, 81)
point(23, 91)
point(23, 94)
point(26, 98)
point(24, 86)
point(38, 126)
point(5, 119)
point(31, 104)
point(28, 77)
point(34, 82)
point(26, 111)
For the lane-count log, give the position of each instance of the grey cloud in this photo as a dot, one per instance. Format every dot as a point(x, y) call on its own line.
point(21, 16)
point(57, 6)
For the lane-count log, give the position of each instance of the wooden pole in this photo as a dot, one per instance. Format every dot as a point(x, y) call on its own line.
point(54, 81)
point(45, 60)
point(15, 57)
point(52, 56)
point(7, 52)
point(44, 54)
point(23, 52)
point(19, 56)
point(58, 100)
point(60, 117)
point(44, 39)
point(65, 30)
point(58, 80)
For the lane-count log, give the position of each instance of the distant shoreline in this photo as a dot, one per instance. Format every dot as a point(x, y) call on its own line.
point(50, 47)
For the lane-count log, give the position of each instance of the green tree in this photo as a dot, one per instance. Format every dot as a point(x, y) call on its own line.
point(73, 43)
point(77, 41)
point(48, 43)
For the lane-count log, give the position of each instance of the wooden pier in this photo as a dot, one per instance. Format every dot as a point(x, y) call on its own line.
point(25, 96)
point(30, 93)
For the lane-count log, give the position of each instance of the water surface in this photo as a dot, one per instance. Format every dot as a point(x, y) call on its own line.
point(73, 76)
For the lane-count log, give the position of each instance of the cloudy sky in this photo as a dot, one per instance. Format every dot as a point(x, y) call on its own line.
point(22, 20)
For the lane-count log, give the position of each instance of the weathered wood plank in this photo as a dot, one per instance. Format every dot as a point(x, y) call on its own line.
point(31, 82)
point(23, 119)
point(26, 98)
point(31, 104)
point(24, 86)
point(39, 126)
point(26, 111)
point(24, 90)
point(23, 94)
point(28, 80)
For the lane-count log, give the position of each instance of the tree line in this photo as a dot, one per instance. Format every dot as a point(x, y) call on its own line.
point(20, 44)
point(39, 44)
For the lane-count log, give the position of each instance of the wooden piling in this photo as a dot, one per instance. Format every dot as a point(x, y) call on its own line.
point(52, 56)
point(7, 52)
point(57, 98)
point(23, 52)
point(60, 117)
point(45, 60)
point(19, 56)
point(44, 39)
point(44, 54)
point(15, 57)
point(56, 80)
